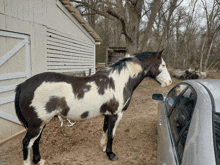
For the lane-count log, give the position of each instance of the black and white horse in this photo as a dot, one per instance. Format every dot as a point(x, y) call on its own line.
point(106, 93)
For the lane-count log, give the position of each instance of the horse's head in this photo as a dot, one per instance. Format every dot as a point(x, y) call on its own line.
point(155, 67)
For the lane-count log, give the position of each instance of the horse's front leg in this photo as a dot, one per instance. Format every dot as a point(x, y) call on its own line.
point(113, 122)
point(103, 141)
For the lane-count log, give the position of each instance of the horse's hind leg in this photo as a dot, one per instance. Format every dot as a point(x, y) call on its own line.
point(112, 125)
point(32, 134)
point(36, 153)
point(103, 141)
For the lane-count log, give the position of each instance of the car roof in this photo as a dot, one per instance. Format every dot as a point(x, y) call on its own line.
point(213, 87)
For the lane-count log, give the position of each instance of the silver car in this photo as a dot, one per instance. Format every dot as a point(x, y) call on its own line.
point(189, 124)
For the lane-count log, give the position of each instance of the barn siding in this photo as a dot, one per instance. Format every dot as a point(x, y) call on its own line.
point(38, 12)
point(35, 18)
point(54, 13)
point(67, 54)
point(39, 19)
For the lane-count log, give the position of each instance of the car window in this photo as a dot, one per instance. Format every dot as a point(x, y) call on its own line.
point(173, 95)
point(180, 116)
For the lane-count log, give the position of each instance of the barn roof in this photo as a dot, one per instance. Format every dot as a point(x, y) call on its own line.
point(80, 19)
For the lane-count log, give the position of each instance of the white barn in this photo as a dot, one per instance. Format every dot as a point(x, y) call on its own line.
point(38, 36)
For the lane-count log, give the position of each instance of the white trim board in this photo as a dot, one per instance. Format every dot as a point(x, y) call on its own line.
point(7, 100)
point(13, 35)
point(7, 88)
point(8, 55)
point(13, 76)
point(9, 117)
point(13, 136)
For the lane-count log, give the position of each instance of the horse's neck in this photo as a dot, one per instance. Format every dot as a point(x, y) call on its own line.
point(135, 81)
point(136, 75)
point(120, 79)
point(126, 79)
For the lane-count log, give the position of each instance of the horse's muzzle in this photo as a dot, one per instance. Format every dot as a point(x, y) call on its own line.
point(166, 83)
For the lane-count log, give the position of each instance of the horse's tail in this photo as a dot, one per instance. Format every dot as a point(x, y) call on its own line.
point(18, 108)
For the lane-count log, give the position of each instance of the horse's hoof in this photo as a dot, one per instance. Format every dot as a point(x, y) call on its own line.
point(41, 162)
point(112, 156)
point(115, 158)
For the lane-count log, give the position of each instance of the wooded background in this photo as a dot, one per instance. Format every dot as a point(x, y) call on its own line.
point(187, 30)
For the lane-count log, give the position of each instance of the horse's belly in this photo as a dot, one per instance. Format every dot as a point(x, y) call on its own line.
point(90, 105)
point(84, 111)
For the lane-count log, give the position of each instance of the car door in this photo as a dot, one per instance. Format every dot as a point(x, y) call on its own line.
point(164, 148)
point(174, 120)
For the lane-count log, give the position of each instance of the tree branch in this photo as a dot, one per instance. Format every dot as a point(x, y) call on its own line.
point(94, 8)
point(133, 3)
point(154, 10)
point(106, 13)
point(122, 23)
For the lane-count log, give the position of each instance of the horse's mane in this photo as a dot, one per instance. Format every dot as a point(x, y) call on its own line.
point(121, 63)
point(143, 55)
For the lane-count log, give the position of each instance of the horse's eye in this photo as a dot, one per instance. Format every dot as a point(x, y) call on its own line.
point(164, 65)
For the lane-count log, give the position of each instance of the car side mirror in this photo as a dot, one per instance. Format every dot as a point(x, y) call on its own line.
point(158, 96)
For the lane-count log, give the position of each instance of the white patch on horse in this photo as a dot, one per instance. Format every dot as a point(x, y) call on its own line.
point(120, 82)
point(31, 142)
point(103, 141)
point(133, 68)
point(27, 161)
point(164, 77)
point(126, 102)
point(85, 90)
point(43, 93)
point(117, 122)
point(91, 102)
point(41, 162)
point(107, 113)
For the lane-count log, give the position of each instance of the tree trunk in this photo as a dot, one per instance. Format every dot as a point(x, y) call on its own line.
point(148, 31)
point(218, 66)
point(201, 59)
point(207, 57)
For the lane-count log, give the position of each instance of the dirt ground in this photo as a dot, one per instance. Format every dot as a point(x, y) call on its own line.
point(135, 141)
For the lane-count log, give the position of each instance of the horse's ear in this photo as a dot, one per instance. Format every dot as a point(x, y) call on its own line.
point(159, 54)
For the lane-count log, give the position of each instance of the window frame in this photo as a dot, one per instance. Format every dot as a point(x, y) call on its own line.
point(216, 150)
point(170, 111)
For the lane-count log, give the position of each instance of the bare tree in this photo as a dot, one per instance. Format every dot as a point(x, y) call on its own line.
point(212, 21)
point(168, 28)
point(128, 13)
point(152, 25)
